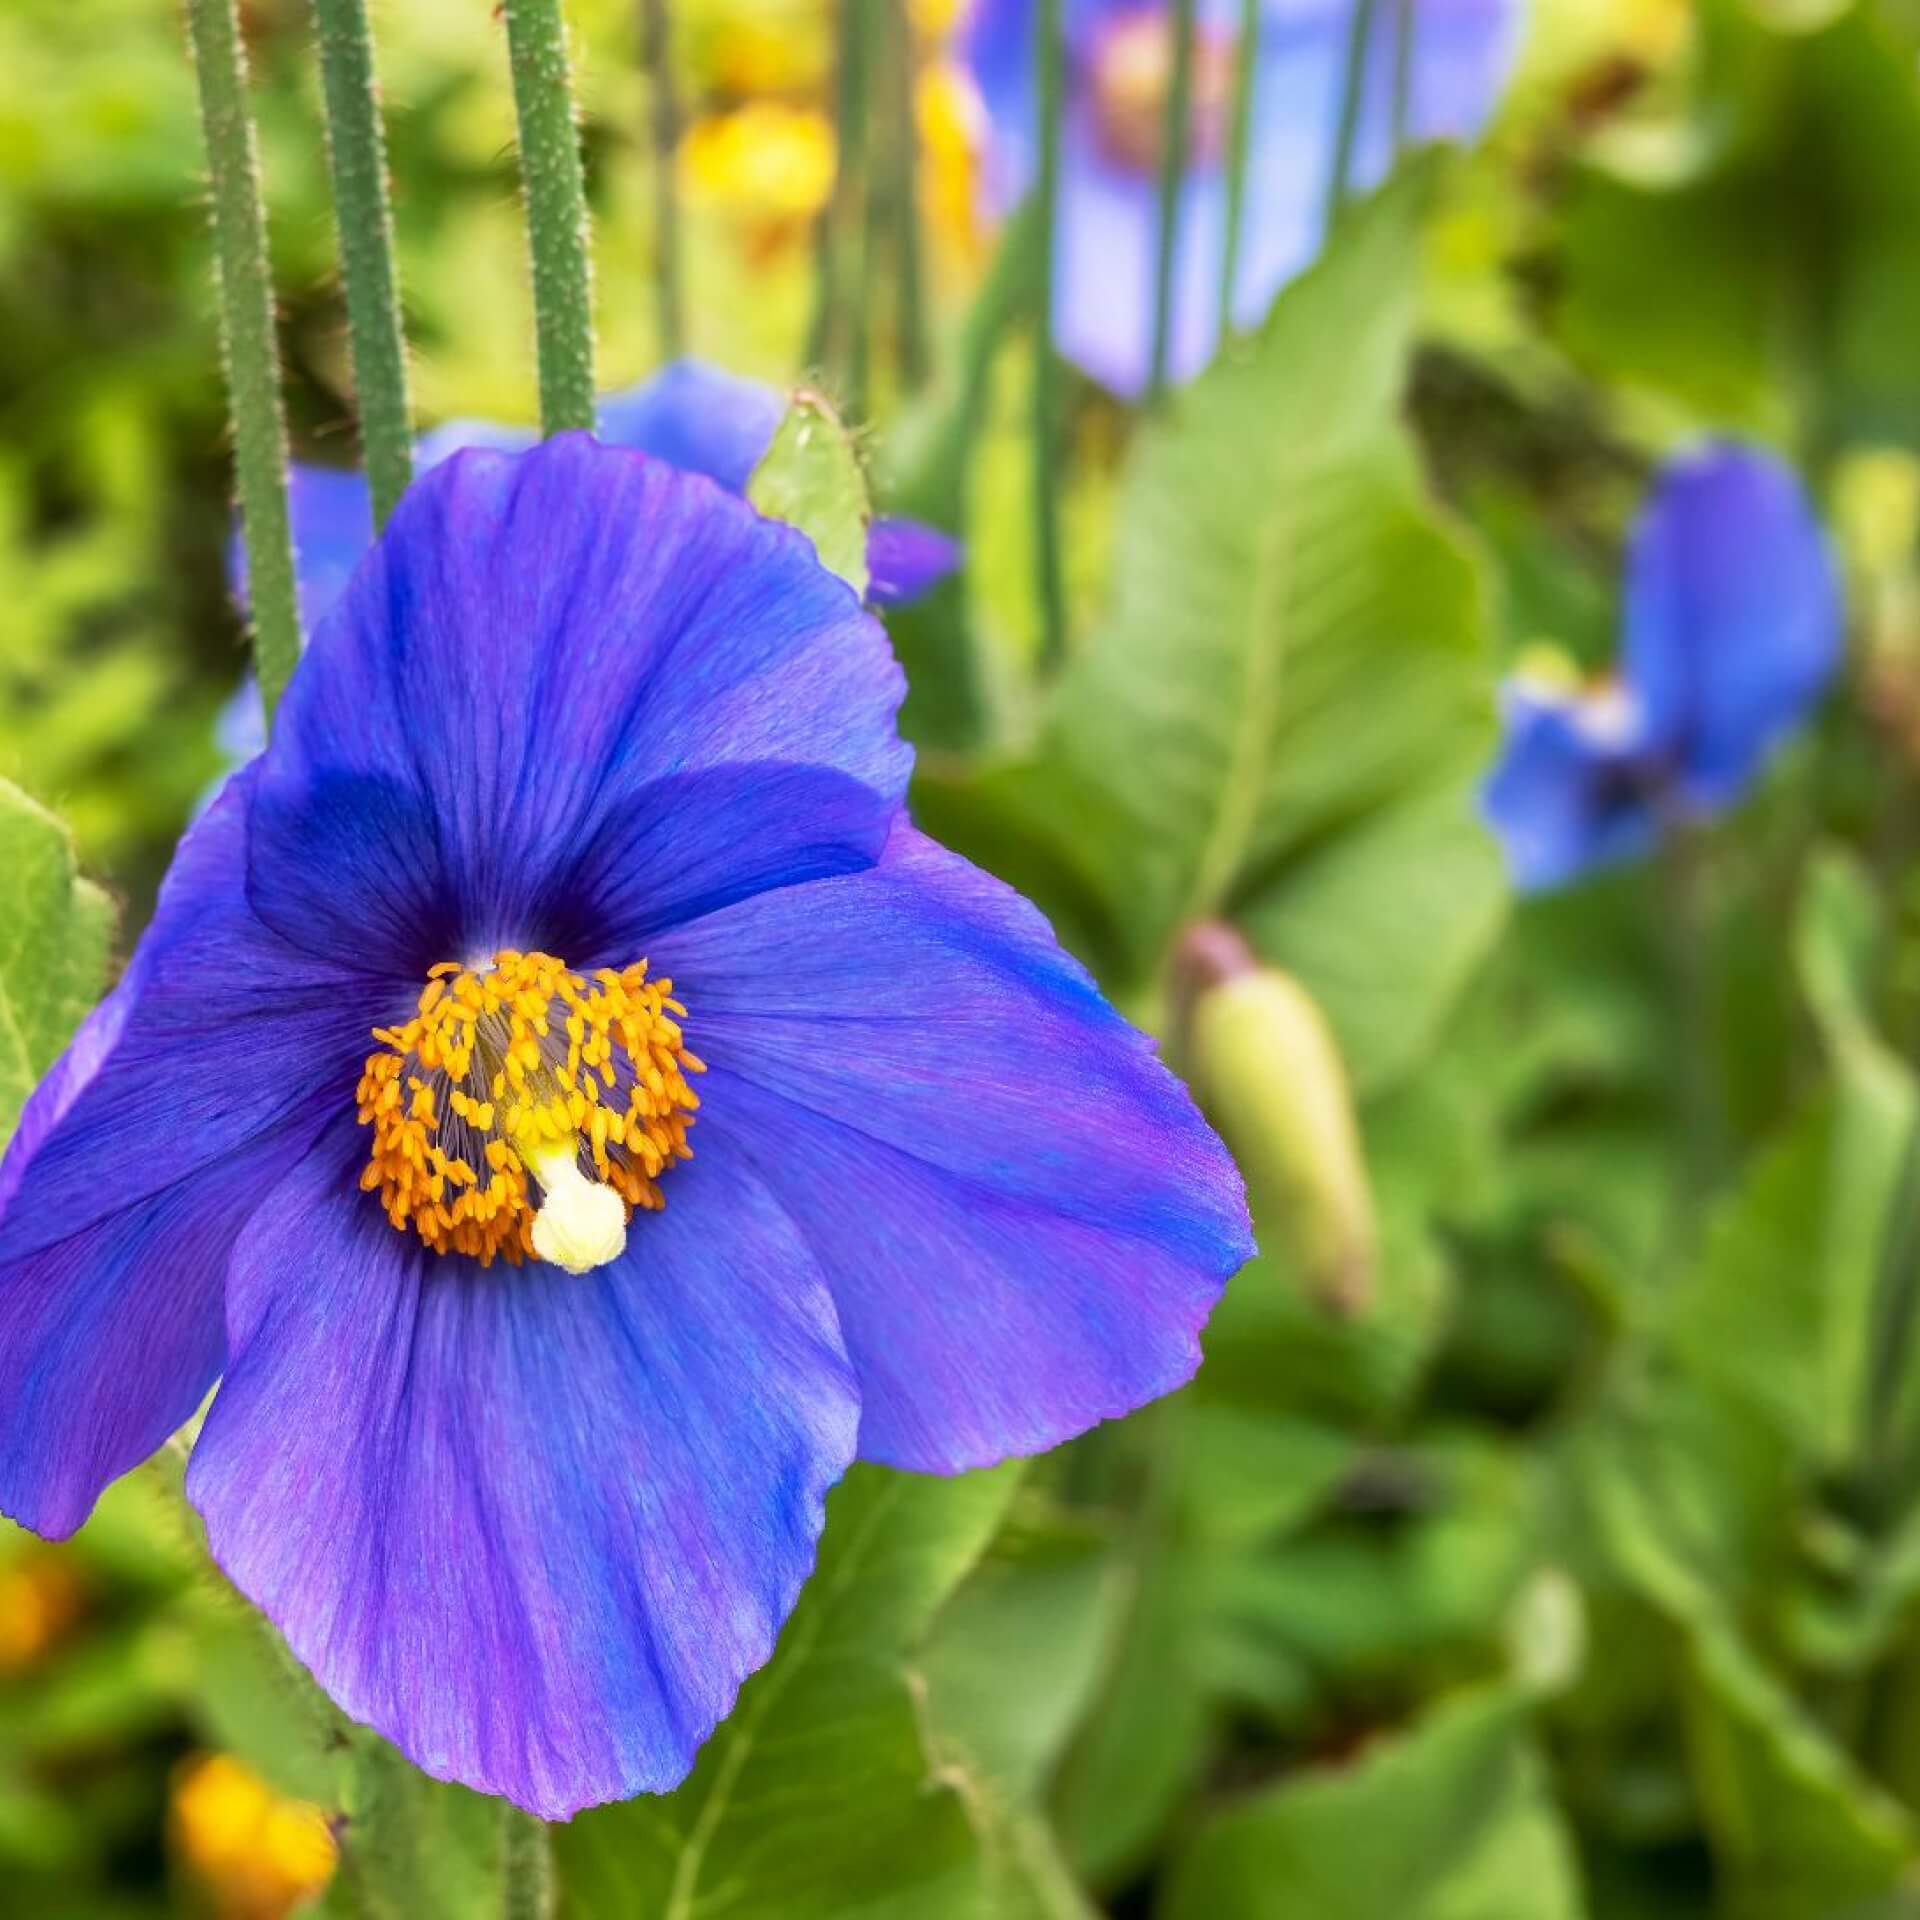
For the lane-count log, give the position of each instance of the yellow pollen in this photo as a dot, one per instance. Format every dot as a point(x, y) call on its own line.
point(525, 1111)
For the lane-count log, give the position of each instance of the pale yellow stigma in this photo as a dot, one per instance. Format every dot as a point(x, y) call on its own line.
point(526, 1110)
point(582, 1225)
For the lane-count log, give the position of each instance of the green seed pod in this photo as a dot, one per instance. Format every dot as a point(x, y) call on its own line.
point(1268, 1071)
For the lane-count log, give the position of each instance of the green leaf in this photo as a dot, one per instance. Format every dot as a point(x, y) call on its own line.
point(817, 1796)
point(810, 477)
point(1010, 1667)
point(1777, 267)
point(1294, 687)
point(1798, 1833)
point(55, 931)
point(1451, 1822)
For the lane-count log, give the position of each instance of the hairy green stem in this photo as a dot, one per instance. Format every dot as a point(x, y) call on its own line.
point(556, 211)
point(1352, 93)
point(1246, 56)
point(526, 1866)
point(656, 53)
point(247, 340)
point(1050, 61)
point(357, 164)
point(1175, 139)
point(838, 320)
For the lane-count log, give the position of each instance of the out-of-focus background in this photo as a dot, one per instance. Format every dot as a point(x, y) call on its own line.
point(1577, 1572)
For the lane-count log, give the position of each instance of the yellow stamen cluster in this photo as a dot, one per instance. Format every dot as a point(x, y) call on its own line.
point(504, 1068)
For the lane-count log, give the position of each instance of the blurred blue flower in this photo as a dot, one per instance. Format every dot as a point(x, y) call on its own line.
point(689, 415)
point(1732, 631)
point(527, 1412)
point(1119, 62)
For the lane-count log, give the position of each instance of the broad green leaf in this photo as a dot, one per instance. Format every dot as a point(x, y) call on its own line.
point(810, 477)
point(55, 930)
point(817, 1797)
point(1450, 1822)
point(1797, 1831)
point(1296, 656)
point(1010, 1666)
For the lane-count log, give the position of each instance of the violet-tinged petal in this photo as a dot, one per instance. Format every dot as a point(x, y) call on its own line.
point(905, 558)
point(1022, 1216)
point(1733, 623)
point(696, 418)
point(536, 644)
point(136, 1162)
point(534, 1529)
point(1570, 791)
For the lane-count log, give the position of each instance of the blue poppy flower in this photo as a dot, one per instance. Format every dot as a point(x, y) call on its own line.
point(689, 415)
point(1118, 68)
point(575, 1112)
point(1732, 632)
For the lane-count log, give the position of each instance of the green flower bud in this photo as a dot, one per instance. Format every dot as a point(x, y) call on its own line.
point(1268, 1071)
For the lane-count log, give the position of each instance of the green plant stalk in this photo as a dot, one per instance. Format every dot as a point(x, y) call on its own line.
point(556, 212)
point(1352, 88)
point(829, 342)
point(357, 165)
point(247, 344)
point(915, 357)
point(526, 1866)
point(1246, 54)
point(656, 53)
point(1050, 62)
point(1175, 139)
point(1405, 26)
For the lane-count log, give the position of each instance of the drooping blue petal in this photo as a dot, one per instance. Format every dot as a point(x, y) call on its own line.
point(572, 695)
point(135, 1164)
point(1570, 791)
point(905, 558)
point(1023, 1219)
point(1733, 625)
point(535, 1529)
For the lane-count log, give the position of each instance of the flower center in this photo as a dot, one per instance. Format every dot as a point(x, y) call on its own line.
point(1132, 77)
point(525, 1111)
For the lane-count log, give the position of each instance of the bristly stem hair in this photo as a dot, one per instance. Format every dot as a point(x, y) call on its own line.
point(556, 196)
point(357, 165)
point(247, 343)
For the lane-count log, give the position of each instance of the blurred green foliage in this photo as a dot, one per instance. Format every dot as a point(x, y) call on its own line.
point(1579, 1574)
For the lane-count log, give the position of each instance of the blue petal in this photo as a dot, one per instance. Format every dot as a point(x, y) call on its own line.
point(545, 655)
point(137, 1161)
point(1733, 625)
point(905, 558)
point(332, 515)
point(696, 418)
point(534, 1529)
point(1023, 1218)
point(1564, 797)
point(1103, 299)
